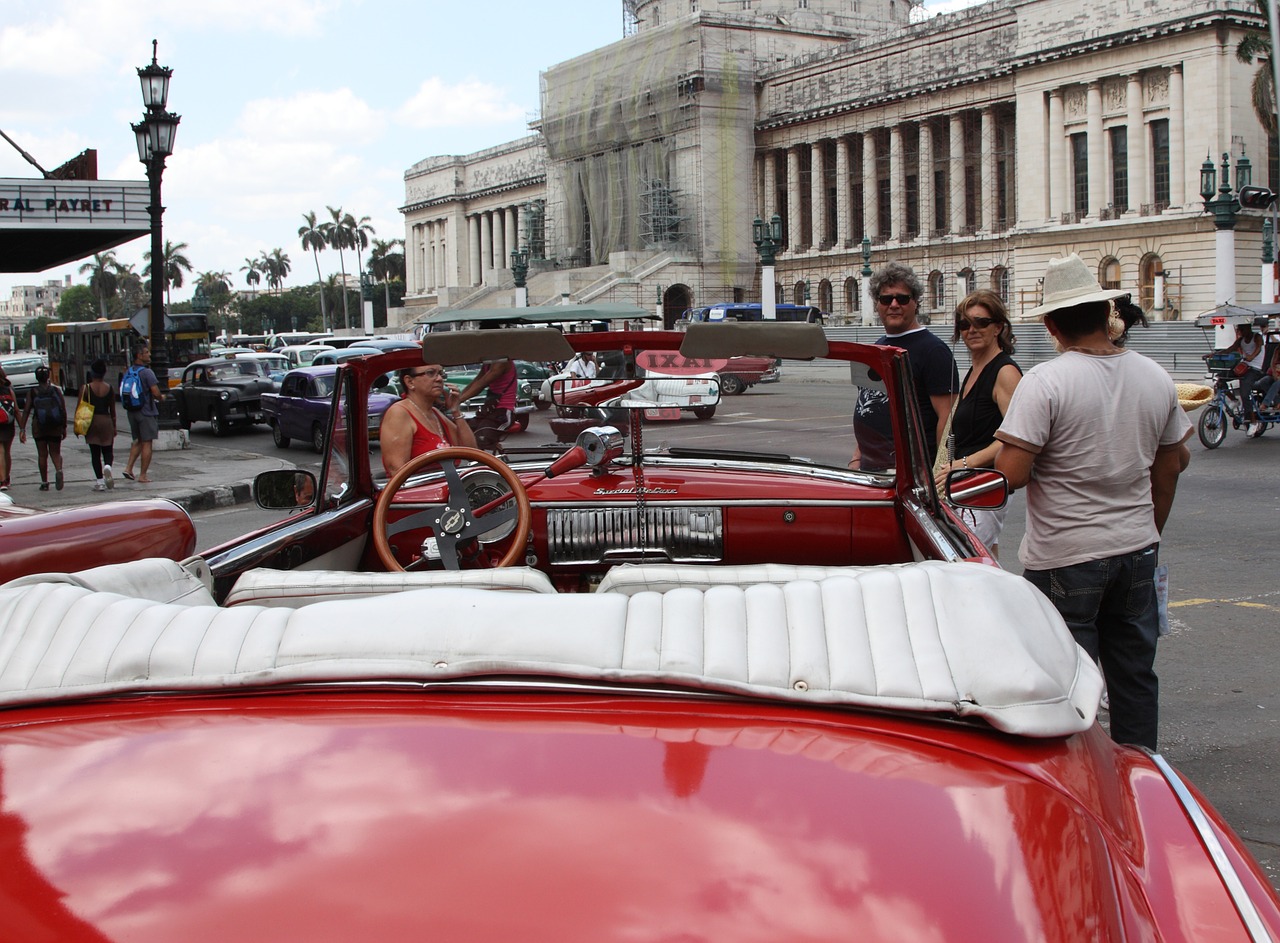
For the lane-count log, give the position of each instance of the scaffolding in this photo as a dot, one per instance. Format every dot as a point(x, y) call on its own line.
point(661, 225)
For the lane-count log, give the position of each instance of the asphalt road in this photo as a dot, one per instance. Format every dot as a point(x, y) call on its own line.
point(1220, 700)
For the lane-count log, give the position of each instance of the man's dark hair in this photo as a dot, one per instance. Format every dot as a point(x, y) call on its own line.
point(1080, 320)
point(139, 347)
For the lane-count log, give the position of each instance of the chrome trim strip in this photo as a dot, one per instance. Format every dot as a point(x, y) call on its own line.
point(649, 501)
point(940, 539)
point(1258, 931)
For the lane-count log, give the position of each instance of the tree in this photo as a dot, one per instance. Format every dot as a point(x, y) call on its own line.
point(39, 327)
point(313, 238)
point(386, 263)
point(175, 264)
point(217, 289)
point(102, 278)
point(131, 293)
point(360, 231)
point(252, 272)
point(275, 266)
point(339, 235)
point(76, 304)
point(1256, 47)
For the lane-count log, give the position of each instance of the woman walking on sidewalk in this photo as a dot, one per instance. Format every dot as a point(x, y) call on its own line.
point(47, 410)
point(102, 431)
point(8, 423)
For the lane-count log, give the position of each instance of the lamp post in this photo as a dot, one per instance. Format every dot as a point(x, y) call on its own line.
point(768, 240)
point(867, 305)
point(658, 307)
point(520, 272)
point(155, 134)
point(1220, 200)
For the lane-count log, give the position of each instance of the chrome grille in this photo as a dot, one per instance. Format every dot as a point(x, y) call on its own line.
point(615, 535)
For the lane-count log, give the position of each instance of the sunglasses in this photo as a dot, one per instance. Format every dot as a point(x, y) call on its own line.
point(965, 323)
point(432, 372)
point(902, 300)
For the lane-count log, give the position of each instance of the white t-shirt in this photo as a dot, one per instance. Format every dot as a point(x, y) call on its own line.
point(1251, 350)
point(581, 367)
point(1094, 424)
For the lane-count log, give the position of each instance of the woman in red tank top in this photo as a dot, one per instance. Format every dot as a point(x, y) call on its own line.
point(415, 426)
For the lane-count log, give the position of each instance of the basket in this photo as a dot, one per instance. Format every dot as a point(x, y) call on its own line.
point(1221, 364)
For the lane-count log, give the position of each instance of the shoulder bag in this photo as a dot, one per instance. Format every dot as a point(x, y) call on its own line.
point(84, 412)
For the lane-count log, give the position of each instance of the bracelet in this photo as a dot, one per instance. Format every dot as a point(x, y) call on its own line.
point(455, 414)
point(965, 459)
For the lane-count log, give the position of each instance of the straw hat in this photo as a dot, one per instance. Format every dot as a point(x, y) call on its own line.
point(1068, 282)
point(1191, 396)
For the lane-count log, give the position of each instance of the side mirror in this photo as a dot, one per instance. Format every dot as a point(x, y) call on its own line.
point(981, 489)
point(284, 490)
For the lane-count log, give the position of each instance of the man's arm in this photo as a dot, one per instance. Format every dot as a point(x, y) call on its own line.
point(1015, 463)
point(486, 376)
point(1166, 468)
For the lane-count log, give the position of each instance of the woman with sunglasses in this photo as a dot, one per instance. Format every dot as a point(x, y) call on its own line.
point(983, 323)
point(416, 425)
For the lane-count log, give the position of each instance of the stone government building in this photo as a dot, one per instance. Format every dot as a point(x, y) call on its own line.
point(973, 146)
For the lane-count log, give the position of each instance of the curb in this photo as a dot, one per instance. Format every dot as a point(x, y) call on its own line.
point(206, 499)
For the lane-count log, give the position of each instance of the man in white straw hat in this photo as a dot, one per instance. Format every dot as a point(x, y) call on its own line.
point(1097, 437)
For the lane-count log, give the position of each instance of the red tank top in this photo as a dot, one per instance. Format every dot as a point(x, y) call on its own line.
point(424, 440)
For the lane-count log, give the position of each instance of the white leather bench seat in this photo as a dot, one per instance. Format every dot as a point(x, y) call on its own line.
point(631, 578)
point(956, 638)
point(294, 588)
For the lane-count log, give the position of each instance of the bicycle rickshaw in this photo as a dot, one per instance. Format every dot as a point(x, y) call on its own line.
point(1226, 406)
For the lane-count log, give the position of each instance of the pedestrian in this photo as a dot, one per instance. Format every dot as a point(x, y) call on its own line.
point(102, 431)
point(140, 395)
point(496, 417)
point(1251, 347)
point(983, 323)
point(1097, 438)
point(427, 418)
point(896, 291)
point(8, 425)
point(47, 410)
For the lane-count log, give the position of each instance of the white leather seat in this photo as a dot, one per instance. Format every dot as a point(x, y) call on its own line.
point(632, 578)
point(294, 588)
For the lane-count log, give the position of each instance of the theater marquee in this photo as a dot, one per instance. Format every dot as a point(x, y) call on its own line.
point(44, 223)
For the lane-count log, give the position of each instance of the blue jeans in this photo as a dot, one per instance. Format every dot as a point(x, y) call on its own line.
point(1110, 607)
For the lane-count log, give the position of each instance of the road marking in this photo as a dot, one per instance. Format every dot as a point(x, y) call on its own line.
point(1244, 604)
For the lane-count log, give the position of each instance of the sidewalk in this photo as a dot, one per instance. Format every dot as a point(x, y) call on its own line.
point(199, 477)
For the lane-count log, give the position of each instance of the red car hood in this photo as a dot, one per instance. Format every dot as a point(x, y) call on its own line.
point(397, 816)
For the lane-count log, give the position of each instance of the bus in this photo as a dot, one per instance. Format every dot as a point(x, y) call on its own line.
point(732, 311)
point(74, 345)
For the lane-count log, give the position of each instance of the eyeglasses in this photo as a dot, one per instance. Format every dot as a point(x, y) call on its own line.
point(965, 323)
point(902, 300)
point(430, 372)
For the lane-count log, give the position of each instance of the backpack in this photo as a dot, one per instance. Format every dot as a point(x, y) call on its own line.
point(8, 407)
point(131, 389)
point(50, 408)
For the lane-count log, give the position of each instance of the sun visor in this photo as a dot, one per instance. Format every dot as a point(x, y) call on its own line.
point(518, 343)
point(794, 340)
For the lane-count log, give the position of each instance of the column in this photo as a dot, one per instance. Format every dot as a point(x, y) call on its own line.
point(418, 277)
point(987, 205)
point(770, 185)
point(1136, 140)
point(794, 235)
point(429, 256)
point(522, 226)
point(1097, 149)
point(897, 185)
point(500, 258)
point(486, 245)
point(1177, 140)
point(513, 238)
point(473, 249)
point(817, 195)
point(956, 172)
point(442, 254)
point(1057, 149)
point(870, 199)
point(925, 176)
point(844, 194)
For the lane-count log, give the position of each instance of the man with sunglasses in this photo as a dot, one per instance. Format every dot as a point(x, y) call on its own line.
point(897, 291)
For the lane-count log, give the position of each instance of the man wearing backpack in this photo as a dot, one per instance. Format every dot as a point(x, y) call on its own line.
point(140, 395)
point(48, 413)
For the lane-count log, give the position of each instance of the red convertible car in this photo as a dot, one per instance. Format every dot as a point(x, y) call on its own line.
point(631, 689)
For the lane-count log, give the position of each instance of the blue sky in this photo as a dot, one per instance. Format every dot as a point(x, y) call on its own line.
point(287, 105)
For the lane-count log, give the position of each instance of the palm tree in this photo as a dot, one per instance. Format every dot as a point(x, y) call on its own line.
point(130, 289)
point(275, 266)
point(340, 237)
point(360, 231)
point(102, 278)
point(386, 263)
point(313, 238)
point(1256, 47)
point(253, 270)
point(175, 263)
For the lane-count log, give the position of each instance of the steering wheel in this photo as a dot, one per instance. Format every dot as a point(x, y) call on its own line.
point(454, 522)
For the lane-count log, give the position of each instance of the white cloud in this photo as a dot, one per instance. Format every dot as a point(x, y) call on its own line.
point(438, 104)
point(312, 117)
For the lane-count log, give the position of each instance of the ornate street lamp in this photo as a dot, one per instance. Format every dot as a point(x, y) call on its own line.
point(520, 272)
point(1225, 205)
point(155, 134)
point(868, 307)
point(768, 240)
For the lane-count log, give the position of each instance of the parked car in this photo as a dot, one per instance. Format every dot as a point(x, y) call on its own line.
point(616, 689)
point(461, 377)
point(21, 371)
point(301, 409)
point(341, 355)
point(301, 355)
point(273, 365)
point(223, 392)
